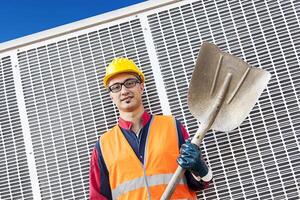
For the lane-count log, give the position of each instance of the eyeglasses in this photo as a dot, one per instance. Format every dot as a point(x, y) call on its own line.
point(128, 83)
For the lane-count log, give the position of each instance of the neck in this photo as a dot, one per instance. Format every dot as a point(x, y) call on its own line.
point(135, 117)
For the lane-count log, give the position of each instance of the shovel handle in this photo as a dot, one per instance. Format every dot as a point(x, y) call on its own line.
point(180, 171)
point(198, 137)
point(173, 183)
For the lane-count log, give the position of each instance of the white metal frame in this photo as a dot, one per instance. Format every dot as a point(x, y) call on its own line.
point(25, 128)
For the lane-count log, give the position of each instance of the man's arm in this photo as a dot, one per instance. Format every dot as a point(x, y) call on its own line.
point(193, 181)
point(99, 182)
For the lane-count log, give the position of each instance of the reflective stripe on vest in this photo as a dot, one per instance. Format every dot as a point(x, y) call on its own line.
point(128, 177)
point(140, 182)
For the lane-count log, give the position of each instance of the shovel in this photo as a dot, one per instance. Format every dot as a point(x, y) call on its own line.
point(222, 92)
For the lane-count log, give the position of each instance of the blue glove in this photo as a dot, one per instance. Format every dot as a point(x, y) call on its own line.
point(190, 159)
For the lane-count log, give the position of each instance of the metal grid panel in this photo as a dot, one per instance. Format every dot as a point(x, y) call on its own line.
point(68, 107)
point(259, 160)
point(14, 174)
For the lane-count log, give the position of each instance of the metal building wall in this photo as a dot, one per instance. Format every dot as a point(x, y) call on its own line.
point(53, 105)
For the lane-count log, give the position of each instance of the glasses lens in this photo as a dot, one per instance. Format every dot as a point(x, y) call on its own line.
point(115, 87)
point(130, 83)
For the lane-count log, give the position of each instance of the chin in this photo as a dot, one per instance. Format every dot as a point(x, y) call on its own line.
point(128, 108)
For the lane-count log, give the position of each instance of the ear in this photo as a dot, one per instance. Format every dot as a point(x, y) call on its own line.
point(142, 86)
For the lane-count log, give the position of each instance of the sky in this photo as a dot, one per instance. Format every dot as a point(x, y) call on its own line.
point(24, 17)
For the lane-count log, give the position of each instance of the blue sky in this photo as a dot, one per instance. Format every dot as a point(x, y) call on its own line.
point(24, 17)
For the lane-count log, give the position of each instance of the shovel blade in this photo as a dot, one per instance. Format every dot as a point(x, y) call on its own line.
point(246, 85)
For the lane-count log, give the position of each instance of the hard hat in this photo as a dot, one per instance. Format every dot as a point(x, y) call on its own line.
point(121, 65)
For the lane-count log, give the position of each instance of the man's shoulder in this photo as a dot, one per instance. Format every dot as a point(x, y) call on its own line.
point(164, 117)
point(108, 132)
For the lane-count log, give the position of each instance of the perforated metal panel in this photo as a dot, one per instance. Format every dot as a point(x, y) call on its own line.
point(67, 108)
point(260, 159)
point(14, 173)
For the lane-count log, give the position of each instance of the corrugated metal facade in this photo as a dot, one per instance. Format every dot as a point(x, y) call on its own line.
point(65, 106)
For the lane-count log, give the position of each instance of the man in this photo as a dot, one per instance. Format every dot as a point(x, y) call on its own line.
point(137, 158)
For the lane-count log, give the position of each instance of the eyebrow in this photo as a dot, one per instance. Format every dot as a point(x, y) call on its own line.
point(135, 78)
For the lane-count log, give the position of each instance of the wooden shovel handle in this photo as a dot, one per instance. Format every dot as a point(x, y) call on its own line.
point(180, 171)
point(198, 137)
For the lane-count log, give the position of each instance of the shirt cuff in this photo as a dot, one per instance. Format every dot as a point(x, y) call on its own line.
point(205, 178)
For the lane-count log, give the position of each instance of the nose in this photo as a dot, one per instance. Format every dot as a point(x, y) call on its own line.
point(124, 90)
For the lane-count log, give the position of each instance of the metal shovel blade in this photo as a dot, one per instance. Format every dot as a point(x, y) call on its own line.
point(222, 92)
point(246, 85)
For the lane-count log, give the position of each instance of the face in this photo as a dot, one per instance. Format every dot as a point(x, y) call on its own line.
point(127, 99)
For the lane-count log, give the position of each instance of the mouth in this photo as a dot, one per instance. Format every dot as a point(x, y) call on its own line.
point(127, 99)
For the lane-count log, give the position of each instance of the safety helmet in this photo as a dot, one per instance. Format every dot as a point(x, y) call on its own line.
point(121, 65)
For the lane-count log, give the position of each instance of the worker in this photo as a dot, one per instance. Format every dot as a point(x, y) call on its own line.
point(138, 156)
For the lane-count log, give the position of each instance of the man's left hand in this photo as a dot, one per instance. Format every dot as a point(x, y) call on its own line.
point(190, 159)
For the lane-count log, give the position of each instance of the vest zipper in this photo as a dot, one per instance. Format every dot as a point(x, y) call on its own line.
point(143, 167)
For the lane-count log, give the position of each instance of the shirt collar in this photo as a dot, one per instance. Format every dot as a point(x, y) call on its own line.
point(127, 124)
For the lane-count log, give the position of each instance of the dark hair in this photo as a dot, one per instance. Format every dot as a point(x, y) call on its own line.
point(136, 76)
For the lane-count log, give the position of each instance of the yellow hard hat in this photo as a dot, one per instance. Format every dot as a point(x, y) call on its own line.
point(121, 65)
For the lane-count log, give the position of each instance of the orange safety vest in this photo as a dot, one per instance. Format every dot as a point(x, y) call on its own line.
point(129, 178)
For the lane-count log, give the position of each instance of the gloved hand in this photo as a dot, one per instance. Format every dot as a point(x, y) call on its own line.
point(190, 159)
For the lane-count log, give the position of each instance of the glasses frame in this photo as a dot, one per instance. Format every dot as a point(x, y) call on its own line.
point(124, 83)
